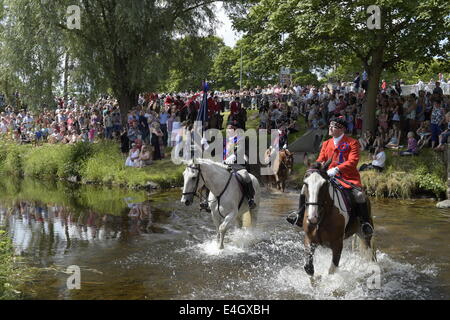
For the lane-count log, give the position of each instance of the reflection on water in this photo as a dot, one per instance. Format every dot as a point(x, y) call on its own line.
point(36, 225)
point(138, 246)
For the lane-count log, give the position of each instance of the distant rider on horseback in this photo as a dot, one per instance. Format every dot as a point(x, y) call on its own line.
point(344, 154)
point(233, 147)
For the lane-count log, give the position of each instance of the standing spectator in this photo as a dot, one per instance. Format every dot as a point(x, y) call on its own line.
point(398, 87)
point(156, 133)
point(163, 119)
point(443, 137)
point(143, 127)
point(383, 85)
point(108, 125)
point(437, 118)
point(117, 120)
point(357, 82)
point(124, 142)
point(235, 106)
point(438, 90)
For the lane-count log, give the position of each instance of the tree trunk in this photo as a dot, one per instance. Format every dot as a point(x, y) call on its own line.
point(127, 100)
point(374, 73)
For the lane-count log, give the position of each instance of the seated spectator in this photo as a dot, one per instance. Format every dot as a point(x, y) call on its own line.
point(443, 137)
point(379, 160)
point(412, 146)
point(394, 138)
point(366, 141)
point(380, 138)
point(424, 132)
point(145, 157)
point(133, 158)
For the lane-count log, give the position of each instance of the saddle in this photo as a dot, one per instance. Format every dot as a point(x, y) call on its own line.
point(241, 182)
point(343, 201)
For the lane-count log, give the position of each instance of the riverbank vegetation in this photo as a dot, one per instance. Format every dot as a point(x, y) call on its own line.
point(100, 163)
point(403, 177)
point(12, 276)
point(103, 164)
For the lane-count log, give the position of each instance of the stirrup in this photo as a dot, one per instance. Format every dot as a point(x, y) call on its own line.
point(204, 205)
point(251, 204)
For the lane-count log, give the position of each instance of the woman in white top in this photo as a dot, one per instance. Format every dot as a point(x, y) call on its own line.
point(133, 158)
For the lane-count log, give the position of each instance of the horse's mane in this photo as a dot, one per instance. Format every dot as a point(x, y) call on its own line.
point(211, 162)
point(316, 166)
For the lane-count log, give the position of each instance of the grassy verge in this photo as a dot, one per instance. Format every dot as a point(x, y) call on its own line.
point(403, 177)
point(100, 163)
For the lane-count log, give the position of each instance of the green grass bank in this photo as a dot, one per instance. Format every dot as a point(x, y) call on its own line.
point(404, 177)
point(99, 163)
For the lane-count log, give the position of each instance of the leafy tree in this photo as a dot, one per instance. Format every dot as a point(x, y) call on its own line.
point(120, 40)
point(30, 53)
point(328, 32)
point(223, 73)
point(192, 60)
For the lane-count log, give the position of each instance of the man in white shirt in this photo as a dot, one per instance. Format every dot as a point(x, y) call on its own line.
point(379, 160)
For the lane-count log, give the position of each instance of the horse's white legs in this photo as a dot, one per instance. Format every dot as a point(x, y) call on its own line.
point(216, 223)
point(225, 226)
point(333, 269)
point(254, 217)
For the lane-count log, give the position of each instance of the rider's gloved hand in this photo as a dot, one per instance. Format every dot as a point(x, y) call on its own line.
point(333, 172)
point(231, 159)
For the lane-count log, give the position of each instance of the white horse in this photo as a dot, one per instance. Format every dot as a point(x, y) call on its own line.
point(225, 194)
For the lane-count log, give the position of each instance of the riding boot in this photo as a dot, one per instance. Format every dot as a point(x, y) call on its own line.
point(363, 213)
point(296, 217)
point(250, 194)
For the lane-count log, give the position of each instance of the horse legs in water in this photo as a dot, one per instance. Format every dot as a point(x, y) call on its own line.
point(226, 224)
point(254, 217)
point(367, 248)
point(217, 224)
point(337, 250)
point(309, 266)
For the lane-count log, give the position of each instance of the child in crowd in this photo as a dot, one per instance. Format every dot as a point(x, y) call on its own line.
point(412, 146)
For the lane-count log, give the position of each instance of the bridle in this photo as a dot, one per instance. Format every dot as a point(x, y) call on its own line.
point(283, 162)
point(195, 191)
point(200, 175)
point(320, 205)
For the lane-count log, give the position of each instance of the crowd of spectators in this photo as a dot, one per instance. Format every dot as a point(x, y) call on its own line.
point(154, 124)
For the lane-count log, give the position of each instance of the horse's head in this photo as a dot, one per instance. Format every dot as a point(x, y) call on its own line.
point(315, 189)
point(289, 160)
point(193, 182)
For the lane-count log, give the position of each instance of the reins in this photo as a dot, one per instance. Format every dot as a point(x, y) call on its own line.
point(195, 191)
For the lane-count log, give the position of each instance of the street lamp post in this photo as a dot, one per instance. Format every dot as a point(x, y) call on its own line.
point(240, 89)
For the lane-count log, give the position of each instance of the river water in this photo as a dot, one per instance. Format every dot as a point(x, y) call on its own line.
point(134, 245)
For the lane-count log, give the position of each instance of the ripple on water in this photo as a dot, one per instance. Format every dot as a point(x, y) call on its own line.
point(277, 272)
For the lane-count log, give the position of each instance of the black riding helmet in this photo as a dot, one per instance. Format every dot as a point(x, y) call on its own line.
point(339, 122)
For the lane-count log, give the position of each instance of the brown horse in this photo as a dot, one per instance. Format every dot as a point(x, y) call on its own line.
point(324, 222)
point(282, 167)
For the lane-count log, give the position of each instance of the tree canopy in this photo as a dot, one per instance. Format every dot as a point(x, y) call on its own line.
point(321, 33)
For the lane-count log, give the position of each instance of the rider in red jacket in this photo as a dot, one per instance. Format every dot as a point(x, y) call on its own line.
point(343, 152)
